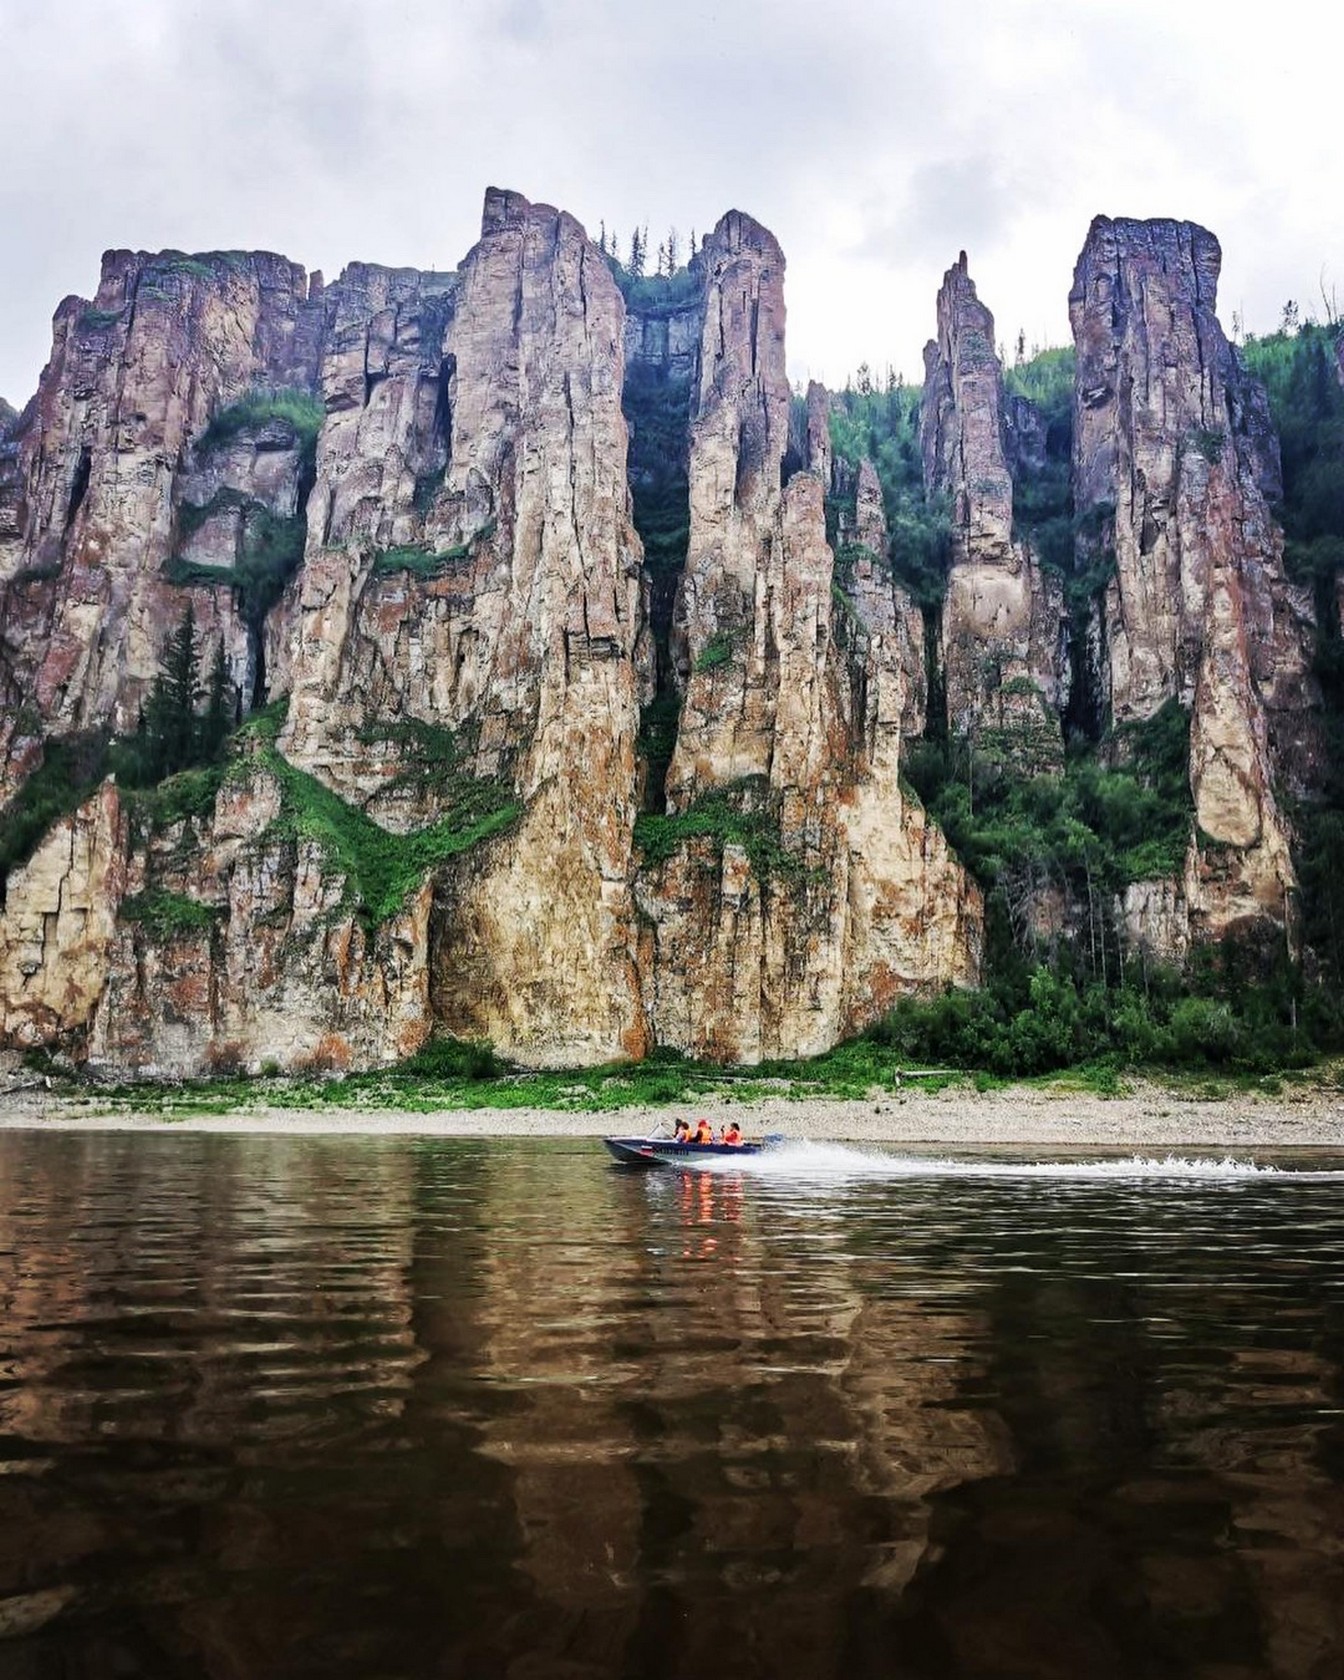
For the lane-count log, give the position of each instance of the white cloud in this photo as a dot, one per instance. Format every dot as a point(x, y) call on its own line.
point(874, 141)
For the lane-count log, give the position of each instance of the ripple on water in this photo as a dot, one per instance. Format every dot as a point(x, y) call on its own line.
point(354, 1406)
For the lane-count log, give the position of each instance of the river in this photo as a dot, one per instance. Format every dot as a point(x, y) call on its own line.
point(380, 1407)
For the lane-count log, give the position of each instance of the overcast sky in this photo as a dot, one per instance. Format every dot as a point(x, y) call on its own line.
point(876, 140)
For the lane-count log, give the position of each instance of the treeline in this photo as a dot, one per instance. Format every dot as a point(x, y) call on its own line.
point(667, 259)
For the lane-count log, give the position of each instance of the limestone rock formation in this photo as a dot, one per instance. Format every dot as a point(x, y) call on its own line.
point(58, 922)
point(880, 616)
point(818, 454)
point(830, 895)
point(404, 502)
point(1003, 616)
point(507, 615)
point(1173, 465)
point(133, 381)
point(240, 945)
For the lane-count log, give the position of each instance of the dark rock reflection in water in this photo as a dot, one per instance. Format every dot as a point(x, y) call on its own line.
point(357, 1408)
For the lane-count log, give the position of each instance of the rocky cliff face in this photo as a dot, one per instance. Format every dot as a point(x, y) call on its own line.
point(592, 741)
point(1003, 619)
point(133, 382)
point(404, 501)
point(1174, 462)
point(881, 618)
point(59, 923)
point(815, 892)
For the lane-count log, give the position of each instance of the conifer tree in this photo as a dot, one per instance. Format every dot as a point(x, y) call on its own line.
point(221, 700)
point(170, 723)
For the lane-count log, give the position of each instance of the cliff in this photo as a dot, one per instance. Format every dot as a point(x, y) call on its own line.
point(1175, 464)
point(803, 891)
point(554, 715)
point(102, 464)
point(1003, 618)
point(408, 506)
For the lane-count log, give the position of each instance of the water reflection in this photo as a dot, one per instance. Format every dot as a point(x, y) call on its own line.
point(367, 1407)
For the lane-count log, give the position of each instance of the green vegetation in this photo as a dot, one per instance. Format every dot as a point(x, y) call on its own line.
point(191, 515)
point(98, 320)
point(270, 547)
point(427, 487)
point(174, 733)
point(168, 915)
point(435, 761)
point(1202, 1036)
point(422, 561)
point(883, 425)
point(652, 295)
point(657, 410)
point(418, 559)
point(1042, 496)
point(69, 772)
point(669, 288)
point(1300, 372)
point(1208, 441)
point(381, 869)
point(656, 402)
point(1119, 813)
point(45, 572)
point(1239, 1013)
point(178, 262)
point(657, 742)
point(744, 813)
point(718, 650)
point(262, 408)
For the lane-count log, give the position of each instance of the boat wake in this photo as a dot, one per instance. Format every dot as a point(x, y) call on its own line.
point(834, 1161)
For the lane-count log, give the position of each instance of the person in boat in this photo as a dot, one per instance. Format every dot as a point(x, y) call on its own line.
point(703, 1133)
point(732, 1132)
point(683, 1132)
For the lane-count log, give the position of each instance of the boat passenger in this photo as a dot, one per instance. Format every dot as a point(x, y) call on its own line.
point(683, 1132)
point(732, 1132)
point(704, 1132)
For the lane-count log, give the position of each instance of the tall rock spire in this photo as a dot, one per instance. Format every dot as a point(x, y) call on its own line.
point(1172, 457)
point(1002, 615)
point(834, 895)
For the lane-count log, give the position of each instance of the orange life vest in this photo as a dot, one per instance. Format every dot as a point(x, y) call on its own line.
point(732, 1132)
point(704, 1132)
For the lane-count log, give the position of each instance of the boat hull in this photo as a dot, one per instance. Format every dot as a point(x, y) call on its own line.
point(664, 1152)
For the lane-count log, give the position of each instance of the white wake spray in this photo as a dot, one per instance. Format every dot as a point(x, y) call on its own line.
point(836, 1161)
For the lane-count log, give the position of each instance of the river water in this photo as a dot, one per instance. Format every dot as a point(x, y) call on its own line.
point(373, 1407)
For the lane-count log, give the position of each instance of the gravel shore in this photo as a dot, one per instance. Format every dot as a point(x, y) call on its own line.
point(1146, 1117)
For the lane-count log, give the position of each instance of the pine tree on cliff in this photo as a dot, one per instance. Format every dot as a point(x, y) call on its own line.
point(169, 723)
point(220, 706)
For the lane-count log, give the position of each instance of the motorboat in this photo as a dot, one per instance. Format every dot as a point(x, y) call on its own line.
point(659, 1149)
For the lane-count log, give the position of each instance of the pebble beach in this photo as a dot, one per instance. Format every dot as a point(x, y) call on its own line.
point(1145, 1117)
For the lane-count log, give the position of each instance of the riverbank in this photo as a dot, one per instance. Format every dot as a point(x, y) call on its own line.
point(1143, 1116)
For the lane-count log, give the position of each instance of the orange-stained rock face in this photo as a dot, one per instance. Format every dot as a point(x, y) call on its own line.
point(58, 923)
